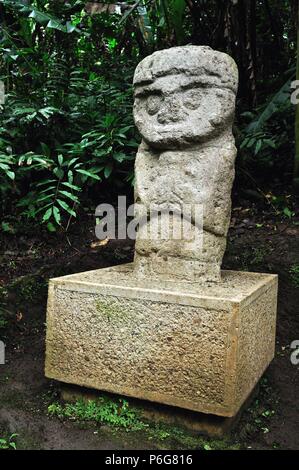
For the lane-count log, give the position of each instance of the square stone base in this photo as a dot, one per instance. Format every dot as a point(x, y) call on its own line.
point(199, 347)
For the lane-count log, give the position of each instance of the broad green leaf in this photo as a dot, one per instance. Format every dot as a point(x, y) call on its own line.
point(120, 157)
point(258, 147)
point(55, 24)
point(58, 172)
point(47, 214)
point(70, 177)
point(287, 212)
point(69, 195)
point(42, 183)
point(39, 16)
point(73, 160)
point(11, 175)
point(66, 207)
point(281, 97)
point(20, 111)
point(108, 170)
point(72, 186)
point(56, 213)
point(177, 8)
point(4, 166)
point(87, 173)
point(44, 198)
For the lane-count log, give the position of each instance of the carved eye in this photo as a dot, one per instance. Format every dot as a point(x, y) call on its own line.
point(192, 99)
point(153, 104)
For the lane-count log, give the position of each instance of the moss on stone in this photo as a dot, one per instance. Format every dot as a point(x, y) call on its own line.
point(108, 310)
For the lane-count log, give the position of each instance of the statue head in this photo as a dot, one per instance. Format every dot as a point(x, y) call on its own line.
point(184, 95)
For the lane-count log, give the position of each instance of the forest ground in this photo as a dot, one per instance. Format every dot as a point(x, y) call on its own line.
point(258, 241)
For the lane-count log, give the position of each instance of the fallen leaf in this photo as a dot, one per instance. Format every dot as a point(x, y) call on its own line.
point(99, 243)
point(19, 316)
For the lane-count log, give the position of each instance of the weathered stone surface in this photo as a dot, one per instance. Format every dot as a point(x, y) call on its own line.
point(162, 329)
point(184, 109)
point(200, 347)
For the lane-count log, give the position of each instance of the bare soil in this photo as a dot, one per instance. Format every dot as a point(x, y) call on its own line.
point(257, 242)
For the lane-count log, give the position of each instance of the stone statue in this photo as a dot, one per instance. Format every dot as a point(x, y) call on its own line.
point(184, 110)
point(162, 328)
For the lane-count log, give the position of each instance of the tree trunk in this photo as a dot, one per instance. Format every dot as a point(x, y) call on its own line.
point(296, 163)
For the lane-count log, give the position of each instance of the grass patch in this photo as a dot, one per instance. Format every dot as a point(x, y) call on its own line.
point(103, 411)
point(119, 414)
point(182, 439)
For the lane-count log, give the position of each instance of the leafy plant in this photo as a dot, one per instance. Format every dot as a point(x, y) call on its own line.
point(118, 413)
point(104, 410)
point(282, 204)
point(267, 132)
point(66, 128)
point(8, 444)
point(41, 17)
point(99, 144)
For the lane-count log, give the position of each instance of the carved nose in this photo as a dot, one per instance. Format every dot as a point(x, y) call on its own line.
point(170, 112)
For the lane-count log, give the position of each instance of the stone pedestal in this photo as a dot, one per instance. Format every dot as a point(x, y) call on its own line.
point(198, 347)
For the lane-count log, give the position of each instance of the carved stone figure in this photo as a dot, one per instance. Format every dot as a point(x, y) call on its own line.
point(162, 328)
point(184, 109)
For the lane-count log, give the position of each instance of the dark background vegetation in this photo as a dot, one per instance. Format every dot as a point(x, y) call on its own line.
point(67, 138)
point(68, 143)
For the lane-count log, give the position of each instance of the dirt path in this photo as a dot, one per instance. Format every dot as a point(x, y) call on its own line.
point(271, 422)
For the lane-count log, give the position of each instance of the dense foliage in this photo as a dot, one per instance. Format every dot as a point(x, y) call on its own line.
point(66, 125)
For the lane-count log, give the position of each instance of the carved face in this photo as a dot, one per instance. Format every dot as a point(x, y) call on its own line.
point(178, 111)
